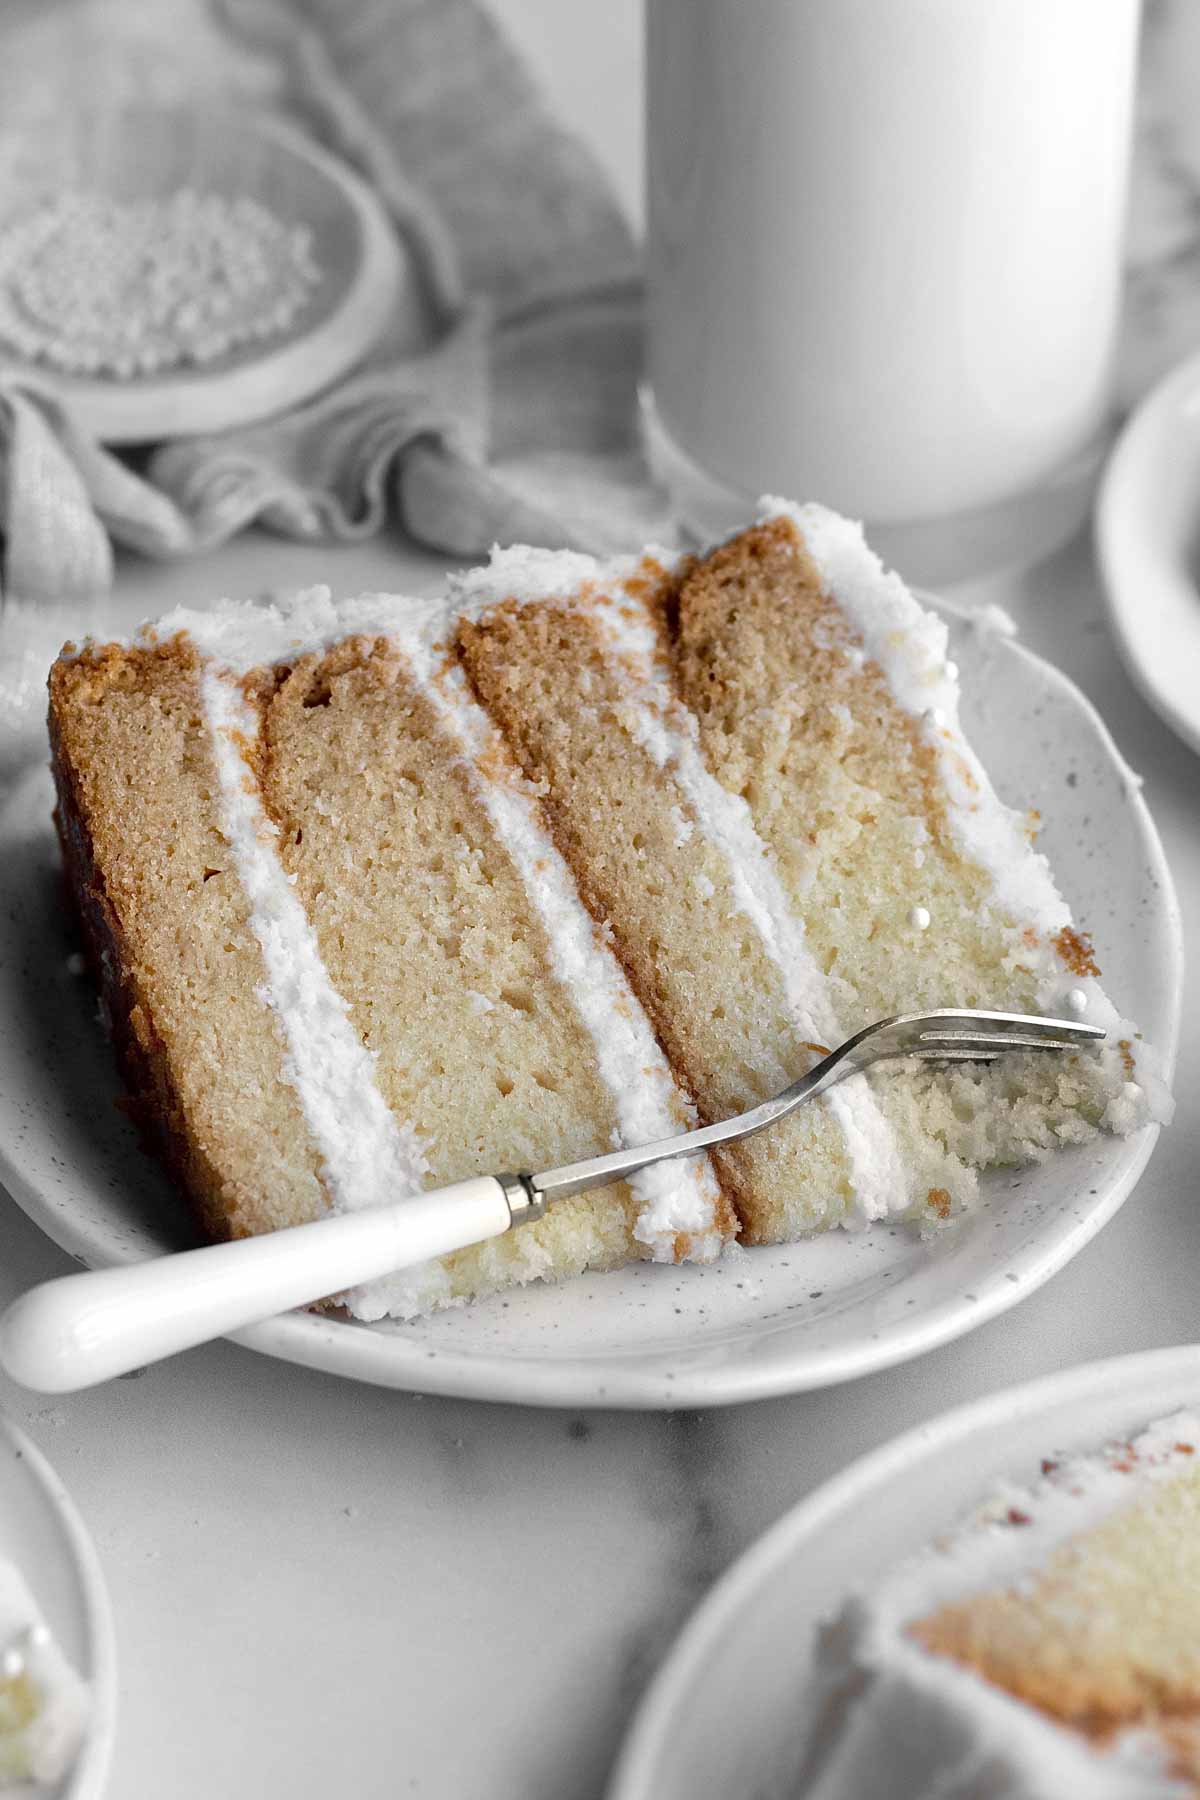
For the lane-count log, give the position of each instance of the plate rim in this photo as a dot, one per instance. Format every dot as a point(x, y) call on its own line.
point(639, 1762)
point(90, 1770)
point(1157, 556)
point(357, 1352)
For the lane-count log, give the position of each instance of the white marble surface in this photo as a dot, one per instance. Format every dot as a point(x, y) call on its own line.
point(320, 1587)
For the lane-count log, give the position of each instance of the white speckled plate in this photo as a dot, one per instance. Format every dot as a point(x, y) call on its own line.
point(1148, 541)
point(764, 1322)
point(41, 1533)
point(688, 1742)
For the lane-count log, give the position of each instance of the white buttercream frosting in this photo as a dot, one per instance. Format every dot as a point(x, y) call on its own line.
point(667, 732)
point(887, 1716)
point(675, 1197)
point(367, 1155)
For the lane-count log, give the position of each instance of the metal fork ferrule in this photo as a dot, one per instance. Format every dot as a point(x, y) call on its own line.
point(526, 1201)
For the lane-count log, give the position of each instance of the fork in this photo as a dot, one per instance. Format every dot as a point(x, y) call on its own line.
point(83, 1329)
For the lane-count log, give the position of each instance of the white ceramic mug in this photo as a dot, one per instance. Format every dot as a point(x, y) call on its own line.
point(884, 246)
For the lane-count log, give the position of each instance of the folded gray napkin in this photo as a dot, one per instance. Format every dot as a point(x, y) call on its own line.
point(517, 422)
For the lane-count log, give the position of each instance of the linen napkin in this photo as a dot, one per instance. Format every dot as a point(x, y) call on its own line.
point(518, 421)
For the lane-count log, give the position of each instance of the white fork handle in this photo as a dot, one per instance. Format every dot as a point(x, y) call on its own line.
point(83, 1329)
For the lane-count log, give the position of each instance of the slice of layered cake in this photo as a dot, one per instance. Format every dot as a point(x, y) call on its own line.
point(1050, 1647)
point(386, 893)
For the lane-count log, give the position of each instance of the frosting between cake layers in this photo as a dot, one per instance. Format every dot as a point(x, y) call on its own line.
point(674, 1197)
point(664, 728)
point(368, 1155)
point(887, 1712)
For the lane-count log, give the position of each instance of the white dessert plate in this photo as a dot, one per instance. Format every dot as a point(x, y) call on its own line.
point(41, 1532)
point(761, 1322)
point(688, 1742)
point(364, 284)
point(1148, 541)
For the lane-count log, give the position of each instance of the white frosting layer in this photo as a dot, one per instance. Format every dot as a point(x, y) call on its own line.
point(909, 645)
point(43, 1749)
point(891, 1718)
point(674, 1197)
point(368, 1155)
point(668, 734)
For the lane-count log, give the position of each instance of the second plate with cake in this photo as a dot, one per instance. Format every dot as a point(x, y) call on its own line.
point(873, 1627)
point(765, 1321)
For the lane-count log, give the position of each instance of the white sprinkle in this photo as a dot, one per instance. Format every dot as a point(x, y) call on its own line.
point(935, 718)
point(919, 918)
point(13, 1664)
point(126, 287)
point(1077, 1000)
point(951, 671)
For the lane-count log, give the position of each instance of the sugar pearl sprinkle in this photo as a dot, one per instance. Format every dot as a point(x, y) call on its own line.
point(919, 918)
point(107, 288)
point(1077, 1000)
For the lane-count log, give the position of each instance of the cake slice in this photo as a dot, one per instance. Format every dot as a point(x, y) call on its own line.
point(342, 958)
point(385, 893)
point(1048, 1647)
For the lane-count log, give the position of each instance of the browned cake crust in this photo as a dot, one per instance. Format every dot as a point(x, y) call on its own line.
point(201, 1059)
point(150, 1099)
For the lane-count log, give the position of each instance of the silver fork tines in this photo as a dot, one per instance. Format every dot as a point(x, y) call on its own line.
point(950, 1035)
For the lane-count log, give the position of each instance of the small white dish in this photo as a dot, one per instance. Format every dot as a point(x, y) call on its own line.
point(763, 1322)
point(364, 284)
point(688, 1742)
point(41, 1532)
point(1148, 542)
